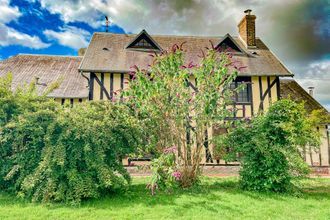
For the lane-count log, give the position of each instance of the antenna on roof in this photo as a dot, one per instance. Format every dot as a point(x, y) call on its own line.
point(106, 24)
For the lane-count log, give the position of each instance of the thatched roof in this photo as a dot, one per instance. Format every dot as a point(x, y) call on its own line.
point(107, 52)
point(49, 69)
point(292, 90)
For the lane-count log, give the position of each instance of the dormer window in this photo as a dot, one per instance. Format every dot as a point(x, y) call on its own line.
point(143, 42)
point(229, 44)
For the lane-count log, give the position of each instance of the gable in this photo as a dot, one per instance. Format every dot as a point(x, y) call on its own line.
point(143, 41)
point(229, 44)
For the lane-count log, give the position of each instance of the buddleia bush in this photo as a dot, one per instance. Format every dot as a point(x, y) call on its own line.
point(51, 153)
point(270, 146)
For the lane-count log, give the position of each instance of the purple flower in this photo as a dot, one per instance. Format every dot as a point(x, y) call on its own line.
point(170, 150)
point(176, 175)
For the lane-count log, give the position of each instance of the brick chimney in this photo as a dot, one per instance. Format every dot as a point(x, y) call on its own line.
point(247, 29)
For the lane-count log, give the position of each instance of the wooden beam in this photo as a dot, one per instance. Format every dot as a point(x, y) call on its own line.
point(278, 87)
point(91, 87)
point(102, 87)
point(263, 96)
point(111, 86)
point(261, 105)
point(102, 82)
point(121, 86)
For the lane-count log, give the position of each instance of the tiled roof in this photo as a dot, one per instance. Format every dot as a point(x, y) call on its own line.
point(106, 52)
point(49, 69)
point(291, 89)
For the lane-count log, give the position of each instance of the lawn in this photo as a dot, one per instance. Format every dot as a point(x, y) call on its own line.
point(216, 198)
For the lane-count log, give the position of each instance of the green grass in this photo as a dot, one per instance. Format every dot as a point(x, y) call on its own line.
point(215, 199)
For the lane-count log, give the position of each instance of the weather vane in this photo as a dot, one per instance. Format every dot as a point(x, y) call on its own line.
point(106, 24)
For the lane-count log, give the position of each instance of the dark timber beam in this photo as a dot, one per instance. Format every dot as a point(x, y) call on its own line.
point(102, 87)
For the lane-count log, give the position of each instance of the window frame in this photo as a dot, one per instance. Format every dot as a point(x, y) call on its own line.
point(239, 80)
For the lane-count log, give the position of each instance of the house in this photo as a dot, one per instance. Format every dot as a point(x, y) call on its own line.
point(109, 58)
point(292, 90)
point(101, 73)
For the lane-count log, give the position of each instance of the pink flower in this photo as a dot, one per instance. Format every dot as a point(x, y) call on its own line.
point(176, 175)
point(170, 150)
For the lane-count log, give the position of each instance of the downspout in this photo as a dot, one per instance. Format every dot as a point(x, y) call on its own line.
point(82, 73)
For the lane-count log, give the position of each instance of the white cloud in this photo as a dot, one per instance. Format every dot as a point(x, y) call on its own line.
point(10, 36)
point(8, 13)
point(69, 36)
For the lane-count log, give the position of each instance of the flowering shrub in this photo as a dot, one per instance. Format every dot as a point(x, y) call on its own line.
point(165, 173)
point(183, 100)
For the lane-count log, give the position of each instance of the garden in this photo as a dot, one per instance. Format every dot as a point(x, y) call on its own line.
point(66, 162)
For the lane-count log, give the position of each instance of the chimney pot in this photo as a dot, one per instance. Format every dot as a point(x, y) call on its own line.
point(311, 90)
point(248, 11)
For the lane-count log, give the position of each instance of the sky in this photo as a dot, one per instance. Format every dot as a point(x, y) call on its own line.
point(297, 31)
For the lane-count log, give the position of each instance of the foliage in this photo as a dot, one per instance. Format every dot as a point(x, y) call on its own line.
point(183, 100)
point(38, 112)
point(165, 173)
point(269, 147)
point(24, 98)
point(54, 153)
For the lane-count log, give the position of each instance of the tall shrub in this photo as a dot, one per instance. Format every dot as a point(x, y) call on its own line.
point(269, 147)
point(183, 99)
point(56, 153)
point(82, 157)
point(24, 119)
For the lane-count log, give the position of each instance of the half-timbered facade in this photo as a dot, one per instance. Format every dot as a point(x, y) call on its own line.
point(102, 72)
point(110, 57)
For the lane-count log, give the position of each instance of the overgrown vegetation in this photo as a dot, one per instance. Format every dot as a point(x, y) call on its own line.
point(183, 100)
point(54, 153)
point(270, 147)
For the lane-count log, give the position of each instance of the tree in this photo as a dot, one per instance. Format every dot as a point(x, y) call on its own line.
point(270, 145)
point(183, 101)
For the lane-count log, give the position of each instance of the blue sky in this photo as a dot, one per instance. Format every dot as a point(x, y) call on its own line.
point(33, 20)
point(297, 31)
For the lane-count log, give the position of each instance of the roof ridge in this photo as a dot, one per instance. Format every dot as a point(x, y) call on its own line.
point(167, 35)
point(46, 55)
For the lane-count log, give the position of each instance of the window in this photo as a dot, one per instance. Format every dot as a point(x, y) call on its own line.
point(228, 44)
point(243, 95)
point(143, 43)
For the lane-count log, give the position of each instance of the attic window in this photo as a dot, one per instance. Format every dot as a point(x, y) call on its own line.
point(143, 41)
point(229, 44)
